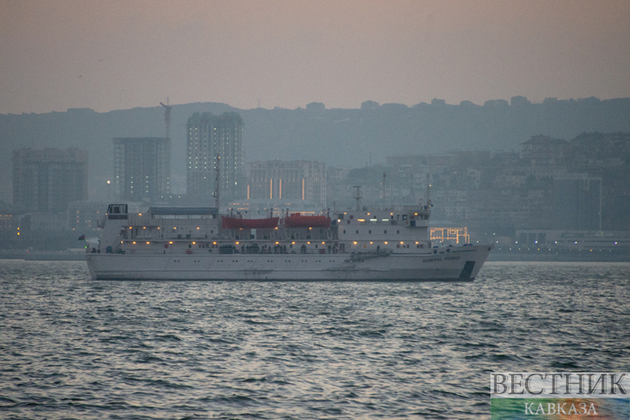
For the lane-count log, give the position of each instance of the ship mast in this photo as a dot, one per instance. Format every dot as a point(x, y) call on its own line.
point(358, 196)
point(383, 191)
point(217, 184)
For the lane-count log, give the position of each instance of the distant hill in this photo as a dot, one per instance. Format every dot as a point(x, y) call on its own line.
point(341, 137)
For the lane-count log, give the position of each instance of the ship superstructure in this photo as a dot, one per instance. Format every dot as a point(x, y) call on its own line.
point(175, 243)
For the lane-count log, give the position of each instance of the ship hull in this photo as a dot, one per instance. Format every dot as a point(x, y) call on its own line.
point(446, 264)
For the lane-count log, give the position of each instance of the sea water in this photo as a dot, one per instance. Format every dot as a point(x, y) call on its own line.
point(74, 348)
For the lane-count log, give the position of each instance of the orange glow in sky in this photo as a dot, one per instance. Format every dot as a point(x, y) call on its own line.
point(110, 55)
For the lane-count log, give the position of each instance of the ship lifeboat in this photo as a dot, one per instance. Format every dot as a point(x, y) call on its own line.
point(296, 220)
point(236, 223)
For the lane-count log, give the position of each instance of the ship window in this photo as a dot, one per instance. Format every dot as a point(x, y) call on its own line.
point(385, 232)
point(344, 231)
point(357, 232)
point(369, 231)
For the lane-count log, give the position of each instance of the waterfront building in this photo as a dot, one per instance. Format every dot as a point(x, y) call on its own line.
point(288, 180)
point(47, 180)
point(83, 216)
point(209, 136)
point(577, 202)
point(142, 168)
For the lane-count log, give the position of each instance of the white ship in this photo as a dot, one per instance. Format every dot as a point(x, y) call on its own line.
point(171, 243)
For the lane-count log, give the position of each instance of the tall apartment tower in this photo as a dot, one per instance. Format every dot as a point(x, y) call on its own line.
point(293, 180)
point(210, 136)
point(142, 168)
point(47, 180)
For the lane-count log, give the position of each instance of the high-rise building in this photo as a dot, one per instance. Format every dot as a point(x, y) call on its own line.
point(47, 180)
point(142, 168)
point(295, 180)
point(210, 136)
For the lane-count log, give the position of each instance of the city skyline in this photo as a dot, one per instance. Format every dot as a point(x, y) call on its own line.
point(119, 55)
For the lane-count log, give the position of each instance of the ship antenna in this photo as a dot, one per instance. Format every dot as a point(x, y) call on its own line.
point(217, 184)
point(383, 190)
point(358, 196)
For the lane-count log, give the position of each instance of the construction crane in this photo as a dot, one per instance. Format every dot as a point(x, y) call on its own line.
point(167, 118)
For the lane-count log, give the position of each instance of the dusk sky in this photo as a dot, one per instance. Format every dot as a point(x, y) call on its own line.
point(109, 55)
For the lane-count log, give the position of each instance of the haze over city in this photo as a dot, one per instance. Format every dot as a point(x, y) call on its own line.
point(119, 55)
point(314, 209)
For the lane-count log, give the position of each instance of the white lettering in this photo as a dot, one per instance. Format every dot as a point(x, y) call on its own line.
point(528, 407)
point(582, 410)
point(561, 408)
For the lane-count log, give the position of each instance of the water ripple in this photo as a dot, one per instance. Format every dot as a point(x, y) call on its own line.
point(75, 348)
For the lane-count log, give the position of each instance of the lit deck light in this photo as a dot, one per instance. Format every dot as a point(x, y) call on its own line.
point(148, 243)
point(134, 242)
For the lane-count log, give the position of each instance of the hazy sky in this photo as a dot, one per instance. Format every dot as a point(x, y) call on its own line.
point(109, 55)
